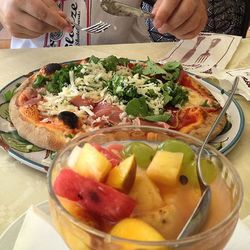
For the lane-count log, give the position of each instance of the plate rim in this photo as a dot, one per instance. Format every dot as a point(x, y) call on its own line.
point(224, 150)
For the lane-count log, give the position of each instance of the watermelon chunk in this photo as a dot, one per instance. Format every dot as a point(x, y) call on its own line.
point(112, 157)
point(96, 198)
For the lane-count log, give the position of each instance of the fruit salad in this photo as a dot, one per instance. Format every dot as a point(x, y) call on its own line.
point(135, 190)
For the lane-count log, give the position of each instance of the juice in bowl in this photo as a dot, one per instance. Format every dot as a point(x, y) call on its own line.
point(132, 187)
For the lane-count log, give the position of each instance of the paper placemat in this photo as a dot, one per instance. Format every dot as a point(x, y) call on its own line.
point(208, 52)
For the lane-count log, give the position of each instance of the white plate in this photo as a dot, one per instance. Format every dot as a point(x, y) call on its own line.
point(40, 159)
point(9, 236)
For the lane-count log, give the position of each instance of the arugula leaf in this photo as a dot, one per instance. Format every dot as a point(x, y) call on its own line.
point(137, 69)
point(137, 107)
point(94, 59)
point(153, 69)
point(61, 78)
point(53, 87)
point(39, 82)
point(158, 118)
point(151, 94)
point(205, 104)
point(167, 97)
point(172, 66)
point(123, 61)
point(110, 63)
point(125, 92)
point(178, 94)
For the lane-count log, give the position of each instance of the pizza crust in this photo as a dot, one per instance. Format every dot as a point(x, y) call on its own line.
point(204, 128)
point(38, 135)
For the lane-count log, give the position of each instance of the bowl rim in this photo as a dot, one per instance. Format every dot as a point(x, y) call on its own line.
point(170, 243)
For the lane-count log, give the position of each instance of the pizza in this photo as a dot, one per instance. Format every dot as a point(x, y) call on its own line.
point(63, 100)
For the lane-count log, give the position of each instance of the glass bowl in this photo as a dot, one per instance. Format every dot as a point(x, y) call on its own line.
point(215, 234)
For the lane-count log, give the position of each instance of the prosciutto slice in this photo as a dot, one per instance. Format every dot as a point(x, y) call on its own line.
point(28, 97)
point(141, 122)
point(108, 112)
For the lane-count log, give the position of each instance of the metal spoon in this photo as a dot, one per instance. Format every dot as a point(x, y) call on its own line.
point(200, 213)
point(120, 9)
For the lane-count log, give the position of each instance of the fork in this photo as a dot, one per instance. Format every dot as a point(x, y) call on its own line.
point(203, 57)
point(93, 29)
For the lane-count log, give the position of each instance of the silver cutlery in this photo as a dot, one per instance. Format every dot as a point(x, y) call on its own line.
point(94, 29)
point(120, 9)
point(200, 213)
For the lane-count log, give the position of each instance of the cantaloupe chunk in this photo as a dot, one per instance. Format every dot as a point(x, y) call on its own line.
point(136, 229)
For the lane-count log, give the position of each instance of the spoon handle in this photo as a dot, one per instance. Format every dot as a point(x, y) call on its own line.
point(200, 213)
point(217, 120)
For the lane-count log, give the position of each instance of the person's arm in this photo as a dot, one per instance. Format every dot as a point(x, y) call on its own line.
point(246, 21)
point(182, 18)
point(31, 18)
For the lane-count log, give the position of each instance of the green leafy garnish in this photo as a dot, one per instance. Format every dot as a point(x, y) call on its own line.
point(178, 94)
point(137, 107)
point(123, 61)
point(94, 59)
point(61, 78)
point(205, 104)
point(153, 69)
point(172, 66)
point(137, 69)
point(151, 94)
point(125, 92)
point(110, 63)
point(40, 81)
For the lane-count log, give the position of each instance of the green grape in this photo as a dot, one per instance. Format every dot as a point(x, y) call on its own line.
point(143, 153)
point(173, 145)
point(189, 171)
point(209, 171)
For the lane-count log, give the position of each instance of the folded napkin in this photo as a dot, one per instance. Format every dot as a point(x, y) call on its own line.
point(38, 233)
point(208, 52)
point(227, 77)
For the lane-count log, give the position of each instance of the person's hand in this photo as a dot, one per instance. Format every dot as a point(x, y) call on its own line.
point(32, 18)
point(182, 18)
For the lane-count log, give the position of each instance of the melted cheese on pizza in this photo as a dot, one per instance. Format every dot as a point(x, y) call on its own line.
point(195, 99)
point(91, 86)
